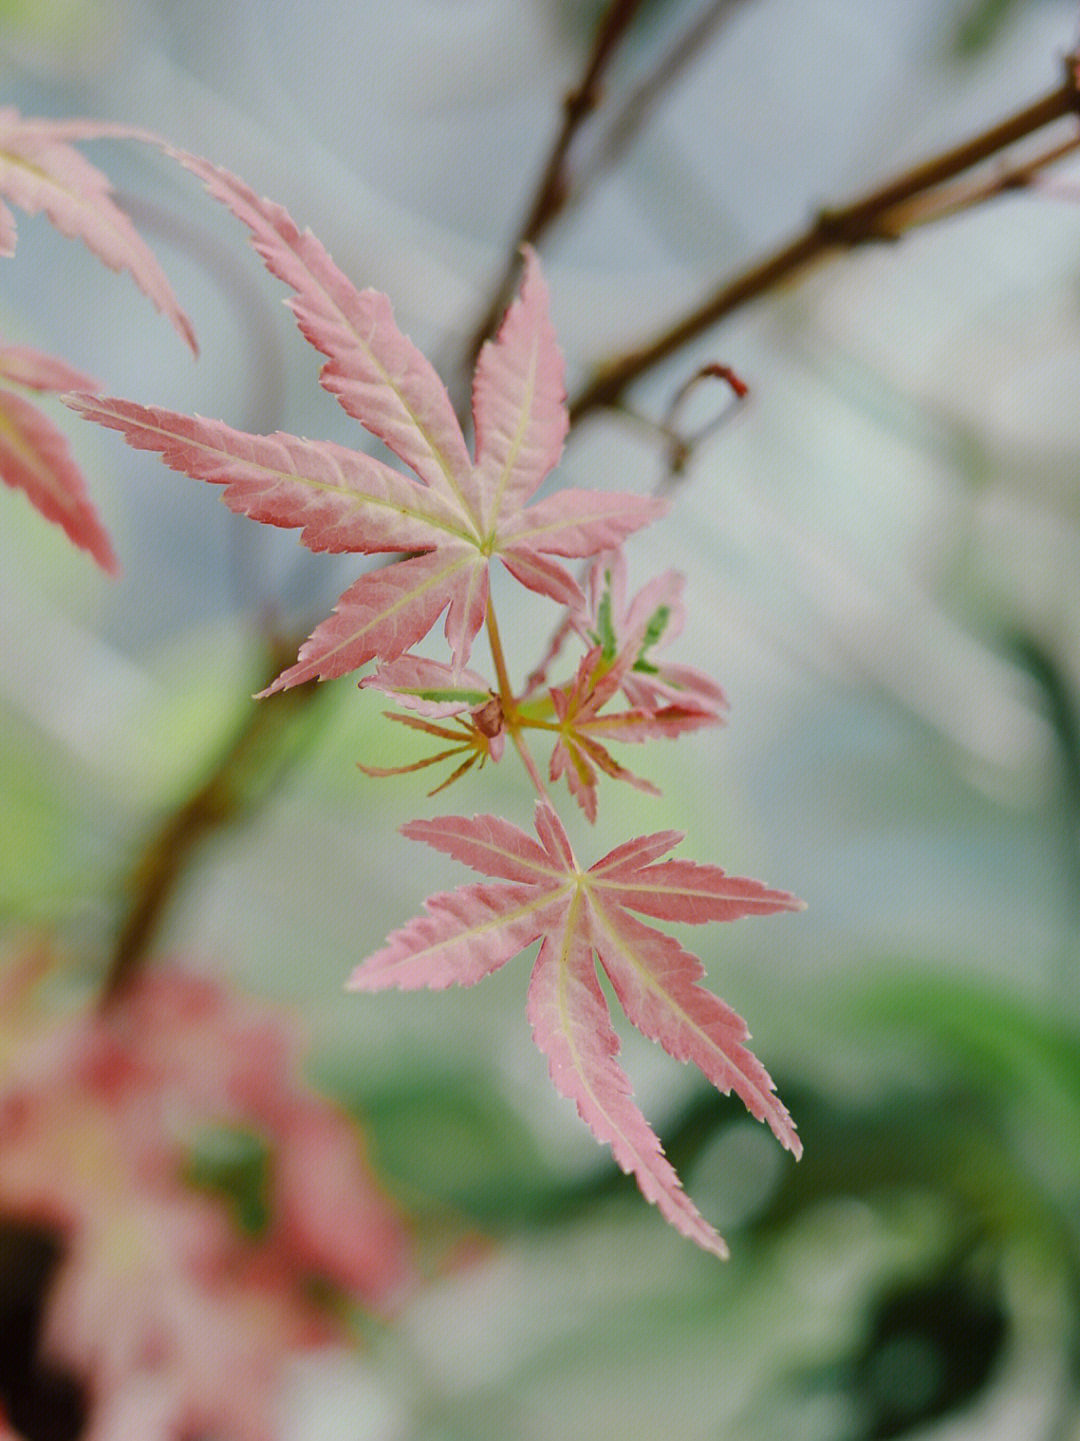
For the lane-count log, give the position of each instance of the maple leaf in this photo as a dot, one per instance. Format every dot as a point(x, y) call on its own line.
point(477, 739)
point(455, 516)
point(437, 691)
point(34, 454)
point(579, 751)
point(429, 686)
point(41, 171)
point(629, 633)
point(467, 934)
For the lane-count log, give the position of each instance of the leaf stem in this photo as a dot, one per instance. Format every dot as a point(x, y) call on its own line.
point(502, 675)
point(875, 216)
point(509, 705)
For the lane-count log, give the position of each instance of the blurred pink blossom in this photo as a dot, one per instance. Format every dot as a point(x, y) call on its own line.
point(177, 1319)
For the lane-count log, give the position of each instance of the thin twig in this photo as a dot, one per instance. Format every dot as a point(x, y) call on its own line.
point(636, 110)
point(954, 200)
point(680, 444)
point(552, 189)
point(877, 215)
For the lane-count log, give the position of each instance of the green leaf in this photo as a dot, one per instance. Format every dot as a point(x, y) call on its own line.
point(450, 1140)
point(982, 25)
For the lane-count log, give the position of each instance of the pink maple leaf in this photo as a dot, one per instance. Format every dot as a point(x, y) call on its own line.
point(41, 171)
point(467, 934)
point(455, 516)
point(629, 632)
point(584, 725)
point(429, 687)
point(34, 454)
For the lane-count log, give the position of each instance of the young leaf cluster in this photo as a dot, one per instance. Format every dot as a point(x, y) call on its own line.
point(447, 522)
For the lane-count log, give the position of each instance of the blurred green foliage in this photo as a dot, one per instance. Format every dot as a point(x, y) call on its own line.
point(982, 24)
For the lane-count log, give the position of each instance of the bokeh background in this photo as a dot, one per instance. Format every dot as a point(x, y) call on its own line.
point(883, 570)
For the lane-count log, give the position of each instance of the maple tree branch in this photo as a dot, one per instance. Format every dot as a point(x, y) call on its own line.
point(224, 797)
point(552, 189)
point(875, 216)
point(956, 199)
point(680, 443)
point(638, 107)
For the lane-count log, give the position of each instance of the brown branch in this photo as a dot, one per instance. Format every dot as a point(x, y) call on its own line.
point(877, 215)
point(954, 200)
point(222, 799)
point(637, 109)
point(553, 187)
